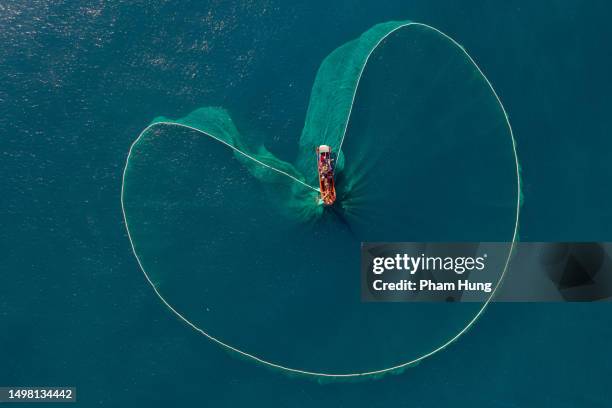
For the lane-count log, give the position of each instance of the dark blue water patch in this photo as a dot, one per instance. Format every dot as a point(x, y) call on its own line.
point(428, 150)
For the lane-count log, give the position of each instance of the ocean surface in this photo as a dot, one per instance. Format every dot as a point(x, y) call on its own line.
point(78, 82)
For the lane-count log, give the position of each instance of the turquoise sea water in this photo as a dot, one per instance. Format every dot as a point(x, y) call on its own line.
point(78, 85)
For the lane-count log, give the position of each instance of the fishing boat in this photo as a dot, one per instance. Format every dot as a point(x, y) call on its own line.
point(325, 165)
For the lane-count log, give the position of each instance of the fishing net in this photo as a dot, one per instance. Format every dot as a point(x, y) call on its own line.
point(235, 242)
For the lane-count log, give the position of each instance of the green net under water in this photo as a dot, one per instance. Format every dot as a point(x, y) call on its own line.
point(234, 240)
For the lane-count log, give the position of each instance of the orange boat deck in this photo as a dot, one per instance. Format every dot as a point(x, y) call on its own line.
point(326, 175)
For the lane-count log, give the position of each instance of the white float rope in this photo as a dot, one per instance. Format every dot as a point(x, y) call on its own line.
point(223, 142)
